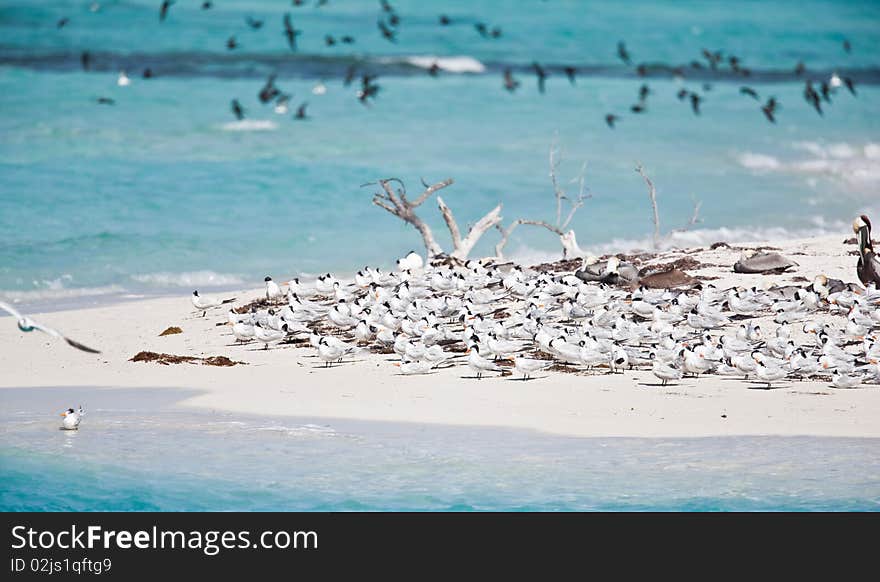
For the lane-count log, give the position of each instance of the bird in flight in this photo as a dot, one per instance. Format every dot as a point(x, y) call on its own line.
point(163, 9)
point(237, 109)
point(510, 83)
point(27, 324)
point(769, 109)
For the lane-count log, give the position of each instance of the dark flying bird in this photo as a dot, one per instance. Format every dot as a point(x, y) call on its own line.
point(482, 29)
point(301, 111)
point(769, 109)
point(105, 101)
point(269, 91)
point(329, 40)
point(350, 74)
point(800, 68)
point(826, 91)
point(387, 33)
point(682, 94)
point(750, 92)
point(510, 83)
point(445, 20)
point(207, 5)
point(368, 89)
point(255, 24)
point(386, 6)
point(495, 32)
point(812, 97)
point(347, 39)
point(847, 46)
point(623, 53)
point(541, 74)
point(237, 109)
point(148, 73)
point(290, 32)
point(434, 69)
point(638, 108)
point(85, 60)
point(695, 103)
point(644, 91)
point(230, 43)
point(642, 70)
point(611, 119)
point(63, 22)
point(570, 73)
point(163, 10)
point(849, 85)
point(393, 19)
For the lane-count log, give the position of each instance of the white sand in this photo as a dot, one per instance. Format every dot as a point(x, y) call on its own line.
point(290, 381)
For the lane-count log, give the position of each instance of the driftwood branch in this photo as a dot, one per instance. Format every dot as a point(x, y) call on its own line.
point(567, 239)
point(660, 239)
point(451, 224)
point(489, 221)
point(652, 194)
point(395, 201)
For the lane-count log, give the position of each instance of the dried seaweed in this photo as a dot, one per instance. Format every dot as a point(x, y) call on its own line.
point(166, 359)
point(171, 331)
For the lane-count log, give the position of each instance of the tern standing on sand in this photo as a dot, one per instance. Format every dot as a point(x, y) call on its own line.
point(273, 291)
point(203, 304)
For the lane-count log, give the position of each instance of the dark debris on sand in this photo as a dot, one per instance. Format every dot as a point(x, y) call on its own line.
point(173, 330)
point(166, 359)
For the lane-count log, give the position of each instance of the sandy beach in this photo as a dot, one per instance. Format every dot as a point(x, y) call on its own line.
point(290, 381)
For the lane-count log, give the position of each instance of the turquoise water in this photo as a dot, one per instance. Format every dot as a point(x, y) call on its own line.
point(158, 193)
point(129, 455)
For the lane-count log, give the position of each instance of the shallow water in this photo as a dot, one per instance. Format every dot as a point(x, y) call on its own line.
point(136, 450)
point(160, 192)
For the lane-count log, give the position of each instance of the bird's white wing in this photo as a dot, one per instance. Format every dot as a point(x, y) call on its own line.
point(56, 333)
point(10, 310)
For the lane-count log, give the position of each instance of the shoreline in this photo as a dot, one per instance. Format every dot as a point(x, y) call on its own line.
point(289, 381)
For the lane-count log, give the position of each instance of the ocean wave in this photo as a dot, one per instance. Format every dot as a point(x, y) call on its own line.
point(250, 125)
point(855, 164)
point(462, 64)
point(188, 279)
point(322, 66)
point(57, 293)
point(701, 237)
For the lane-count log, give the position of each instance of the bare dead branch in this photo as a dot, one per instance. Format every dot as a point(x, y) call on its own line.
point(450, 222)
point(429, 190)
point(652, 194)
point(492, 218)
point(567, 239)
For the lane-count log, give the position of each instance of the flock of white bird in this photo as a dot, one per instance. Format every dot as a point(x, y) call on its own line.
point(488, 315)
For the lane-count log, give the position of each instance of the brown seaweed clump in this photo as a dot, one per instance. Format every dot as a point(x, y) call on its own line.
point(166, 359)
point(171, 331)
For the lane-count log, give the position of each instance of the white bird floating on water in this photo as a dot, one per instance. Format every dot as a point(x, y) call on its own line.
point(72, 418)
point(488, 315)
point(27, 324)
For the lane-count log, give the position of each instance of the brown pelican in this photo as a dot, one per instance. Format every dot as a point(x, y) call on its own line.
point(868, 266)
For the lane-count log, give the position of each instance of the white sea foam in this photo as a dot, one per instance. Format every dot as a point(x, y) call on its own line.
point(758, 161)
point(250, 125)
point(189, 279)
point(53, 293)
point(461, 64)
point(857, 165)
point(819, 226)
